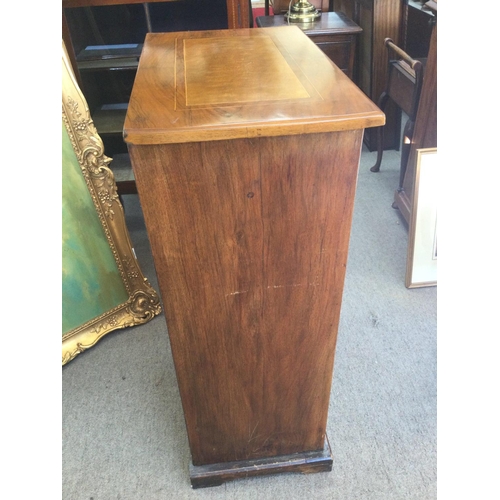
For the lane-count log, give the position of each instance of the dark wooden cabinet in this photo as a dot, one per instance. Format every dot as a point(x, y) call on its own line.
point(379, 19)
point(334, 33)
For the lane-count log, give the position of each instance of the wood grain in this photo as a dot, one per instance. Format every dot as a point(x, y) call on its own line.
point(210, 84)
point(165, 108)
point(250, 241)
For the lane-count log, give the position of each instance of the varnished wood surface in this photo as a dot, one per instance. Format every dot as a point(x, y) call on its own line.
point(238, 14)
point(250, 241)
point(268, 82)
point(387, 24)
point(214, 86)
point(379, 19)
point(328, 23)
point(334, 33)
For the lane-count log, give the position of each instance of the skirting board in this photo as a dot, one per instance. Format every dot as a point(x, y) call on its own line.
point(305, 463)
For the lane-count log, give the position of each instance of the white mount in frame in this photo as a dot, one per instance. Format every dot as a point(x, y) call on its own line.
point(421, 266)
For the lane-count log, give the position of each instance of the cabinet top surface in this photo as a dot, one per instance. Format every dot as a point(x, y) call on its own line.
point(228, 84)
point(329, 22)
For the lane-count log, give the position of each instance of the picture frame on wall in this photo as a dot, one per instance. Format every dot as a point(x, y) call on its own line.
point(103, 288)
point(421, 262)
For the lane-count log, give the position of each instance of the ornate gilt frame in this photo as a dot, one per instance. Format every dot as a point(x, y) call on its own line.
point(143, 303)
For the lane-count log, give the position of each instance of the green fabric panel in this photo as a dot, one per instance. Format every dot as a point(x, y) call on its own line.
point(91, 281)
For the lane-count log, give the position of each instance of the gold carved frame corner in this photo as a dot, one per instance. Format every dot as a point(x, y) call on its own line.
point(143, 303)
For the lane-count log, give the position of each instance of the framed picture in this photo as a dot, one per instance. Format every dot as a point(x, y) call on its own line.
point(103, 288)
point(421, 267)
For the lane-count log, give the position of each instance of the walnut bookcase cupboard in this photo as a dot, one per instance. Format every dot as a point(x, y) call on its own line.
point(247, 180)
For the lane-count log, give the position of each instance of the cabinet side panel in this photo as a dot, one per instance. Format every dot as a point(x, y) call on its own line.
point(250, 241)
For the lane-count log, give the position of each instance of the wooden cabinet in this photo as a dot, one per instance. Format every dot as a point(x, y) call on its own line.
point(247, 192)
point(334, 33)
point(379, 19)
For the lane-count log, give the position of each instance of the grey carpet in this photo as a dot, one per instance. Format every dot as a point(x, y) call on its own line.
point(123, 429)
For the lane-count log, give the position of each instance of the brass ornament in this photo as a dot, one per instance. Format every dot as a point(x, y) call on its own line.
point(302, 11)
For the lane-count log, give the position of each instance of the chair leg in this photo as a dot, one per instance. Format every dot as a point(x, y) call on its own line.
point(380, 134)
point(380, 141)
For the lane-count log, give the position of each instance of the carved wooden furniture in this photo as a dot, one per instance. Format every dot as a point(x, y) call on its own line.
point(425, 131)
point(379, 19)
point(334, 33)
point(404, 83)
point(245, 146)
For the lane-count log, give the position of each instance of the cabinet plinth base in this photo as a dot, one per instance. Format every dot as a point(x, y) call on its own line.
point(203, 476)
